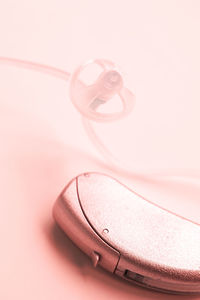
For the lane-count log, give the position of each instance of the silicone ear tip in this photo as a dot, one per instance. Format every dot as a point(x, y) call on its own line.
point(109, 83)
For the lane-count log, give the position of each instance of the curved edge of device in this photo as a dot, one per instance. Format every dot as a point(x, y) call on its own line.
point(70, 216)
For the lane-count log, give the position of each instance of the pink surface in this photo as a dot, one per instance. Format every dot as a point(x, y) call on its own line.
point(43, 144)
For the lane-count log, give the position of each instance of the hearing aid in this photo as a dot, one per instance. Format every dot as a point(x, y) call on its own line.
point(120, 230)
point(130, 236)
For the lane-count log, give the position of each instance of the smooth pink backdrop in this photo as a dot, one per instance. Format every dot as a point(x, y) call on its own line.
point(43, 144)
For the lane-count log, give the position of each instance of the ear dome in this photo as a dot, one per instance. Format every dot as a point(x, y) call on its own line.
point(87, 98)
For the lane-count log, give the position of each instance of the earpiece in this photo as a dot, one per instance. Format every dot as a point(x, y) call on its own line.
point(109, 83)
point(88, 98)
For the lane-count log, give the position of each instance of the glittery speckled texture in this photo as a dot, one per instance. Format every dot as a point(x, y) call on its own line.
point(152, 241)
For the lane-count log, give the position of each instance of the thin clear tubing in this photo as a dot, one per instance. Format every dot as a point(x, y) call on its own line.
point(114, 162)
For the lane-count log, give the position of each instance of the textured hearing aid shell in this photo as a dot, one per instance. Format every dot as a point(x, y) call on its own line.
point(108, 84)
point(130, 236)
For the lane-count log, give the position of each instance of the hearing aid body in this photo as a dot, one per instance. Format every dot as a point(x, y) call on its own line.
point(130, 236)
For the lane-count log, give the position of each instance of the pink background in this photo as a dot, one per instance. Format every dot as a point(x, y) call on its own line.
point(43, 144)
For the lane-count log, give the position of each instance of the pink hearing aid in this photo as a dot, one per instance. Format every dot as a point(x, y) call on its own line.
point(120, 230)
point(130, 236)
